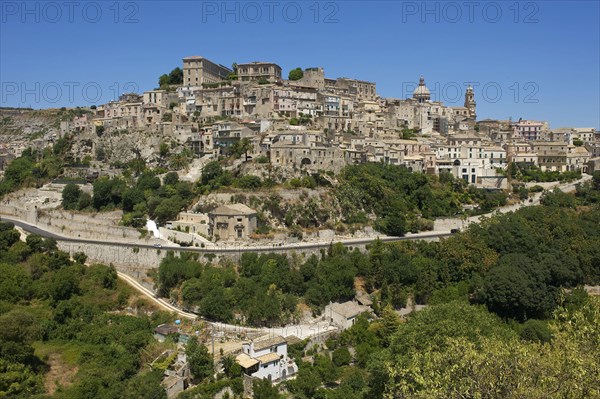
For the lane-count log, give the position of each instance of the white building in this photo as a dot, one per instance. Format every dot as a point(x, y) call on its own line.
point(267, 359)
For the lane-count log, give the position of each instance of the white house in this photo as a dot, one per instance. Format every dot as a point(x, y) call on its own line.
point(267, 359)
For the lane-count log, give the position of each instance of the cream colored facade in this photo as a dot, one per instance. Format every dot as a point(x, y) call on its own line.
point(577, 158)
point(303, 156)
point(232, 222)
point(254, 71)
point(552, 156)
point(199, 70)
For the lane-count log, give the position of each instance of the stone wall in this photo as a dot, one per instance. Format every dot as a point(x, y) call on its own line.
point(178, 236)
point(135, 261)
point(91, 226)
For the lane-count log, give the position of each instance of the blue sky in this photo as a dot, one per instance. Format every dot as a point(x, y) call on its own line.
point(535, 60)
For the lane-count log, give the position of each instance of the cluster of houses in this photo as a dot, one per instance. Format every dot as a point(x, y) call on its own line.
point(317, 123)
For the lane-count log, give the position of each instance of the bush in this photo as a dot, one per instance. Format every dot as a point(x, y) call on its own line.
point(536, 189)
point(341, 357)
point(70, 196)
point(535, 331)
point(249, 182)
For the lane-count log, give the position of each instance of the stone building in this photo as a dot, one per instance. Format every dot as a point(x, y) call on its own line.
point(255, 71)
point(360, 89)
point(344, 315)
point(552, 156)
point(199, 70)
point(232, 222)
point(577, 158)
point(304, 155)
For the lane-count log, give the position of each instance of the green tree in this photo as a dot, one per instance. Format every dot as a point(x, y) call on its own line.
point(242, 147)
point(70, 196)
point(163, 80)
point(171, 179)
point(145, 386)
point(19, 170)
point(395, 225)
point(137, 165)
point(510, 291)
point(211, 172)
point(180, 161)
point(494, 367)
point(164, 149)
point(296, 74)
point(596, 180)
point(249, 182)
point(306, 383)
point(176, 76)
point(85, 201)
point(132, 197)
point(15, 283)
point(341, 356)
point(263, 389)
point(173, 78)
point(107, 192)
point(199, 360)
point(168, 209)
point(230, 367)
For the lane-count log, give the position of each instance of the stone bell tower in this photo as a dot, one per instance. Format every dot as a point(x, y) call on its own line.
point(470, 103)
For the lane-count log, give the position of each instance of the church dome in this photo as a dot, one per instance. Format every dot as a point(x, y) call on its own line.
point(422, 92)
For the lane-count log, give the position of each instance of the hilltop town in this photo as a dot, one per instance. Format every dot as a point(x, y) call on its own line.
point(291, 187)
point(311, 122)
point(300, 134)
point(299, 200)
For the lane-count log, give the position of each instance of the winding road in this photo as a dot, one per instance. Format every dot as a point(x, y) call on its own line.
point(301, 330)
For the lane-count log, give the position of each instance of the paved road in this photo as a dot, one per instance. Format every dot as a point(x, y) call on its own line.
point(230, 250)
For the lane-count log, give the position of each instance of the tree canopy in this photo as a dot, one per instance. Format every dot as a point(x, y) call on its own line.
point(296, 74)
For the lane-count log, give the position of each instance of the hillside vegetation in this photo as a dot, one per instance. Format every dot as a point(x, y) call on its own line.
point(61, 318)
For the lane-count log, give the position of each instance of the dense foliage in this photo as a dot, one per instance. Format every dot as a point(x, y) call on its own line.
point(454, 350)
point(264, 289)
point(34, 168)
point(139, 198)
point(529, 173)
point(173, 78)
point(397, 196)
point(515, 264)
point(296, 74)
point(50, 305)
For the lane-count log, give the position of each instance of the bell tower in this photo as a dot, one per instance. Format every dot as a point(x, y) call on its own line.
point(470, 103)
